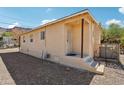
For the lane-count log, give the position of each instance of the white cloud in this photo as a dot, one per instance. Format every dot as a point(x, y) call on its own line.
point(48, 10)
point(121, 10)
point(13, 25)
point(114, 21)
point(47, 21)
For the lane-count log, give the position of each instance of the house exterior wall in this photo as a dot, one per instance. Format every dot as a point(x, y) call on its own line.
point(55, 39)
point(86, 39)
point(55, 42)
point(97, 43)
point(92, 38)
point(33, 48)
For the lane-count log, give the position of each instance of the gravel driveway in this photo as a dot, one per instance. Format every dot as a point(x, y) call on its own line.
point(26, 69)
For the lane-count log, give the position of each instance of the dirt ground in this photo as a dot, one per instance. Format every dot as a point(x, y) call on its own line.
point(28, 70)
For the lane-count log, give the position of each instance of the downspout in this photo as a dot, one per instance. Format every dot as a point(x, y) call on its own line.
point(82, 32)
point(45, 37)
point(44, 48)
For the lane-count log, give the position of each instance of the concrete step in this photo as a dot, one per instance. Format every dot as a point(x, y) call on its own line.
point(121, 59)
point(94, 64)
point(90, 61)
point(100, 69)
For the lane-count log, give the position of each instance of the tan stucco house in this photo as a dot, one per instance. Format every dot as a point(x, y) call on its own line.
point(67, 41)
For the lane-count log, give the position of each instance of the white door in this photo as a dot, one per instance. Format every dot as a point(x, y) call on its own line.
point(69, 41)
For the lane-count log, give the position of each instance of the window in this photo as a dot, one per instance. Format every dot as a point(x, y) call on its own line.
point(43, 35)
point(31, 38)
point(23, 39)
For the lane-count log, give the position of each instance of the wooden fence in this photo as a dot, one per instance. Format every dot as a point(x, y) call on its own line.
point(109, 51)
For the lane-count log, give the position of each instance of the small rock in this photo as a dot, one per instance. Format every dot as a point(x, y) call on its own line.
point(68, 69)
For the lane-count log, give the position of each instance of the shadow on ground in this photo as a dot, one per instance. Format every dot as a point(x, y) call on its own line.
point(28, 70)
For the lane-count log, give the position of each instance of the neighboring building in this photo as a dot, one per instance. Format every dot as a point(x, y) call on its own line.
point(8, 42)
point(13, 40)
point(66, 41)
point(4, 41)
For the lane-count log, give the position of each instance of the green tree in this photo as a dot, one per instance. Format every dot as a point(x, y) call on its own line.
point(122, 41)
point(7, 34)
point(104, 35)
point(113, 33)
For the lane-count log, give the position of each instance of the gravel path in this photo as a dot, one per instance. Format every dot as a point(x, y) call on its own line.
point(113, 75)
point(26, 69)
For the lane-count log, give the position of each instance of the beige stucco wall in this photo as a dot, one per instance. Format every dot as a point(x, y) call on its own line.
point(97, 38)
point(55, 39)
point(86, 39)
point(33, 48)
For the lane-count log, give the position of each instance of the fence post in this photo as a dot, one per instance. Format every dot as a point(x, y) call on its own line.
point(105, 53)
point(118, 52)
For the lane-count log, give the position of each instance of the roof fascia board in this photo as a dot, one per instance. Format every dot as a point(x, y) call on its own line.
point(61, 19)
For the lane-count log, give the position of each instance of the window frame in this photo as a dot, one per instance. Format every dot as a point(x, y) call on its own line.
point(23, 39)
point(43, 35)
point(31, 38)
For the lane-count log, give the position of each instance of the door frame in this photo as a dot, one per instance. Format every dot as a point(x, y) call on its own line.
point(69, 41)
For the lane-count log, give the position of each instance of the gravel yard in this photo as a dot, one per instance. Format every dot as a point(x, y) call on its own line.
point(28, 70)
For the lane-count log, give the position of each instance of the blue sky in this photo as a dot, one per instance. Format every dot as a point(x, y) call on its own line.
point(33, 17)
